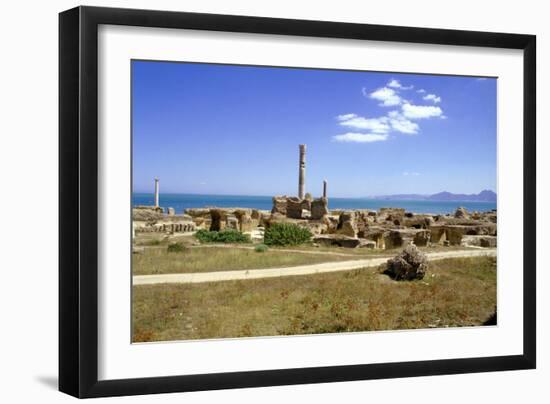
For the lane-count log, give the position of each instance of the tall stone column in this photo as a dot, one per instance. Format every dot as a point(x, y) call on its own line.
point(156, 192)
point(302, 173)
point(324, 188)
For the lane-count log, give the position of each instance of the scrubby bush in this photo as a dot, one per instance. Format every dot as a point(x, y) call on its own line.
point(261, 248)
point(223, 236)
point(176, 248)
point(286, 234)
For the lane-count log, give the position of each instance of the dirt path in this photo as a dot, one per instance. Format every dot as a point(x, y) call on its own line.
point(246, 247)
point(290, 250)
point(292, 271)
point(310, 251)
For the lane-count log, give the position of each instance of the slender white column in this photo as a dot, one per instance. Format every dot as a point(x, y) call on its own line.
point(156, 192)
point(302, 172)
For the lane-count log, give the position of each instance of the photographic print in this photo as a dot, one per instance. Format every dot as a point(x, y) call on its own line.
point(276, 201)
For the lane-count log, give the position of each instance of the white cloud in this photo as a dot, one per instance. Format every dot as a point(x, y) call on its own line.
point(401, 121)
point(387, 96)
point(407, 173)
point(421, 111)
point(401, 124)
point(396, 84)
point(360, 137)
point(375, 125)
point(432, 97)
point(345, 117)
point(394, 121)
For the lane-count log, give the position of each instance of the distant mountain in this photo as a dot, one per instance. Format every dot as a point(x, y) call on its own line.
point(401, 197)
point(483, 196)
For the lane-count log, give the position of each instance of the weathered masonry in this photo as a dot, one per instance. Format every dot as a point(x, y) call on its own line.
point(383, 229)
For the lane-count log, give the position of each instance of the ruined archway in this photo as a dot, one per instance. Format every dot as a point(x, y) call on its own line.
point(216, 217)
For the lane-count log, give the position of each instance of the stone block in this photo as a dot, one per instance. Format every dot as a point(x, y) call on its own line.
point(295, 208)
point(279, 205)
point(337, 240)
point(319, 208)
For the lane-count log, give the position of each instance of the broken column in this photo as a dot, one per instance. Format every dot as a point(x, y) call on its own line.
point(156, 192)
point(302, 172)
point(324, 188)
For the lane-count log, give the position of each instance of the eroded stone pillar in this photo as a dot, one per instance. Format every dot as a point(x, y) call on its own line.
point(302, 172)
point(156, 192)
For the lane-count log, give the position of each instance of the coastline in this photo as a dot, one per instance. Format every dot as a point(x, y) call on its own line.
point(180, 202)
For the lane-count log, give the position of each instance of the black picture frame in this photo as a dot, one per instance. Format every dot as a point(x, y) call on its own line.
point(78, 196)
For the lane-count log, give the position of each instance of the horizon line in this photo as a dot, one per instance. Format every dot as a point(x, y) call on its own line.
point(283, 194)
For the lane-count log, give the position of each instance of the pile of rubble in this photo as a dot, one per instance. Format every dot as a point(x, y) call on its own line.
point(408, 265)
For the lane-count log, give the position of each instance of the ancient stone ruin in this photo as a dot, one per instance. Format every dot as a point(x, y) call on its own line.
point(216, 219)
point(151, 219)
point(386, 228)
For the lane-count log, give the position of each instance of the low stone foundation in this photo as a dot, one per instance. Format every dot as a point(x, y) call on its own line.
point(387, 228)
point(216, 219)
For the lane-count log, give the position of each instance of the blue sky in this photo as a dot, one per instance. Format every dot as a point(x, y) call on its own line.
point(220, 129)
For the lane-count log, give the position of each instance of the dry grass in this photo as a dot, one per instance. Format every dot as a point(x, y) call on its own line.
point(209, 259)
point(156, 239)
point(370, 252)
point(455, 292)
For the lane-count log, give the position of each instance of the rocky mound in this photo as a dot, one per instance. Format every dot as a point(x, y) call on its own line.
point(147, 213)
point(410, 264)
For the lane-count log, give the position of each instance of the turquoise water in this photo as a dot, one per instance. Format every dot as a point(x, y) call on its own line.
point(183, 201)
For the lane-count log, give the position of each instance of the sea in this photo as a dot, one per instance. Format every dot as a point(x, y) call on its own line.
point(183, 201)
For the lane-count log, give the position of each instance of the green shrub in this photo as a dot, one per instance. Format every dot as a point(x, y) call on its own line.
point(286, 234)
point(176, 247)
point(261, 248)
point(223, 236)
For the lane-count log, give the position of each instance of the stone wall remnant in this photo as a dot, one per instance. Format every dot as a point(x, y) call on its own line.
point(279, 204)
point(319, 208)
point(297, 208)
point(347, 225)
point(337, 240)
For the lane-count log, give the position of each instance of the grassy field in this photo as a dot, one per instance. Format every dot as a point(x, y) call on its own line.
point(158, 260)
point(155, 259)
point(156, 239)
point(455, 292)
point(371, 252)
